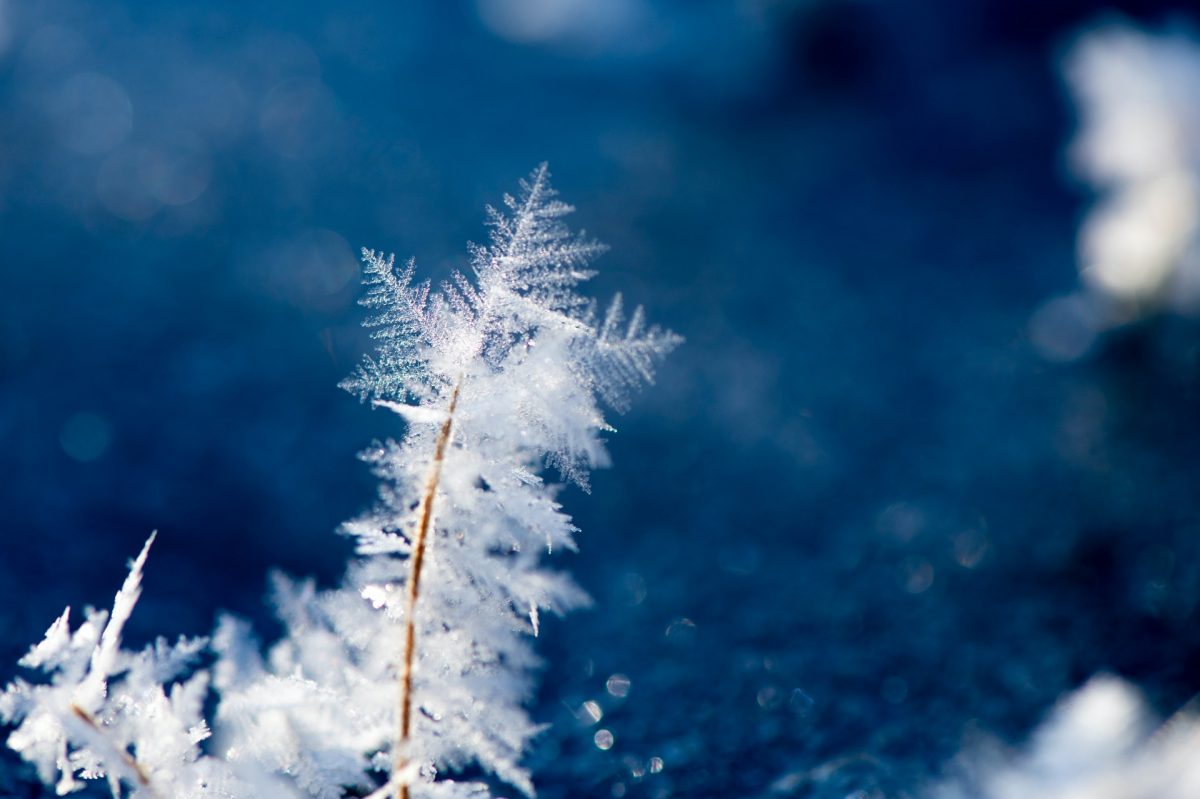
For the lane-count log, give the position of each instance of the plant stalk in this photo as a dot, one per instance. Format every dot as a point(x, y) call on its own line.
point(130, 762)
point(416, 562)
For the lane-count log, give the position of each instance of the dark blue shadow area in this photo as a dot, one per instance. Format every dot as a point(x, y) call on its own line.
point(858, 522)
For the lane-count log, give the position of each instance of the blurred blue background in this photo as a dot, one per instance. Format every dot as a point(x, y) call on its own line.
point(857, 525)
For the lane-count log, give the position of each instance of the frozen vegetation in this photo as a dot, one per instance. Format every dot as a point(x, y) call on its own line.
point(418, 667)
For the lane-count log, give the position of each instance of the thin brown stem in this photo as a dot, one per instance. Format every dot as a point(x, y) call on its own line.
point(416, 562)
point(130, 762)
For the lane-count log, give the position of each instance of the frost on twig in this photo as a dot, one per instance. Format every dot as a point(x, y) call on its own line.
point(109, 713)
point(499, 375)
point(418, 666)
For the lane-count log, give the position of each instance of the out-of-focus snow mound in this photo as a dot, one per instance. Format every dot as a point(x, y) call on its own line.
point(1101, 742)
point(1138, 148)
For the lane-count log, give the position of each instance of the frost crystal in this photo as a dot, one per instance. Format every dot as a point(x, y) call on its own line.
point(421, 663)
point(418, 667)
point(109, 713)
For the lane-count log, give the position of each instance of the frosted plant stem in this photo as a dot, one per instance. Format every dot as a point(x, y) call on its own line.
point(424, 516)
point(126, 758)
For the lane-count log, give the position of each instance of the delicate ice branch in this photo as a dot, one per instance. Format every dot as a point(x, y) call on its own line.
point(499, 378)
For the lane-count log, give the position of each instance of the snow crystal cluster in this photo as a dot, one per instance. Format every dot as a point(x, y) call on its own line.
point(1138, 146)
point(418, 666)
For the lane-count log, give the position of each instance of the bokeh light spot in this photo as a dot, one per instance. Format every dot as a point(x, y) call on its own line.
point(92, 113)
point(618, 685)
point(86, 436)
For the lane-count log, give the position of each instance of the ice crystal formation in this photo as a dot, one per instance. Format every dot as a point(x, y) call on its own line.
point(122, 716)
point(418, 666)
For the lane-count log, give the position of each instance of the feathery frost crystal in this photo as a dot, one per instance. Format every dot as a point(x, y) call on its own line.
point(110, 713)
point(420, 664)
